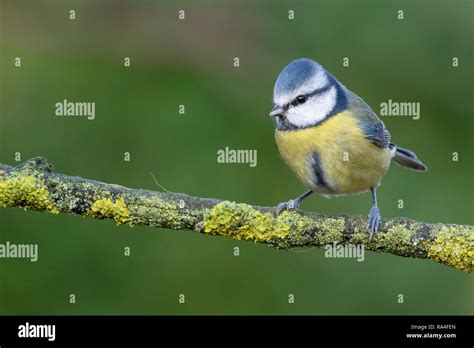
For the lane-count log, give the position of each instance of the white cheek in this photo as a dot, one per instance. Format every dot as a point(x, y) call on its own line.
point(314, 110)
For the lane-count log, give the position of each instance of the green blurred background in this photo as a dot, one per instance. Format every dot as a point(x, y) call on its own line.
point(190, 62)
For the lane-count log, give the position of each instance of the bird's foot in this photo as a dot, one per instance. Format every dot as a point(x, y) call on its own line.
point(292, 204)
point(373, 223)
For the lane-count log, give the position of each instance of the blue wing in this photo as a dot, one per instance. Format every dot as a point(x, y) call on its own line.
point(372, 126)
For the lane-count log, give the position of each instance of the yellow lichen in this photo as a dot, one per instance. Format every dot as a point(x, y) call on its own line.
point(242, 221)
point(25, 191)
point(330, 230)
point(106, 209)
point(454, 248)
point(359, 237)
point(397, 240)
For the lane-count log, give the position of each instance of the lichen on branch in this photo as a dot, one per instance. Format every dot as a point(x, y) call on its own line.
point(34, 186)
point(25, 191)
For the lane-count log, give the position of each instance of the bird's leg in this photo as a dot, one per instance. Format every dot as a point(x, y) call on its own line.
point(292, 204)
point(374, 216)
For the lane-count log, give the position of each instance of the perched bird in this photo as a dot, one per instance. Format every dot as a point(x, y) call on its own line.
point(331, 138)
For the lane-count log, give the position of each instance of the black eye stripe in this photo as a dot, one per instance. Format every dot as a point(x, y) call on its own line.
point(317, 91)
point(301, 99)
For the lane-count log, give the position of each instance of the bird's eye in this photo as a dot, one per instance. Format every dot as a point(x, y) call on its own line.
point(301, 99)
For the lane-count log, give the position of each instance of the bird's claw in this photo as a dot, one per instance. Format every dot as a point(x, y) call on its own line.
point(292, 204)
point(373, 223)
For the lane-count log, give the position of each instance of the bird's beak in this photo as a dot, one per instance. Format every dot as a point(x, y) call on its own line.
point(277, 110)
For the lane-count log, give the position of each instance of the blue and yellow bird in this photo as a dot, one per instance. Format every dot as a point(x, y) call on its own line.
point(331, 138)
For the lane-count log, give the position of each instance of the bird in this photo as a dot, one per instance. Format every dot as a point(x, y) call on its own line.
point(331, 139)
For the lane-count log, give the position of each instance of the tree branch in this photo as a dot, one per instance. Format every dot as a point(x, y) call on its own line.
point(35, 186)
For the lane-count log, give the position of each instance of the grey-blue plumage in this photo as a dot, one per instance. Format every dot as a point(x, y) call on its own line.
point(295, 74)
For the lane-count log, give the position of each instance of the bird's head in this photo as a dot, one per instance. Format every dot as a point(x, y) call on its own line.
point(304, 95)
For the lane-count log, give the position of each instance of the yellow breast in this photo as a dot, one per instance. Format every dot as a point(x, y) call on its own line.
point(348, 161)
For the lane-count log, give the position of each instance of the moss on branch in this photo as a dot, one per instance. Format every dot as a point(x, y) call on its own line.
point(34, 186)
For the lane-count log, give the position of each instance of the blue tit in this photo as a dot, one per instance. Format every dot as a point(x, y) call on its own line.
point(331, 138)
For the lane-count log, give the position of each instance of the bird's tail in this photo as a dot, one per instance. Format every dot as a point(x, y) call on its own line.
point(407, 158)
